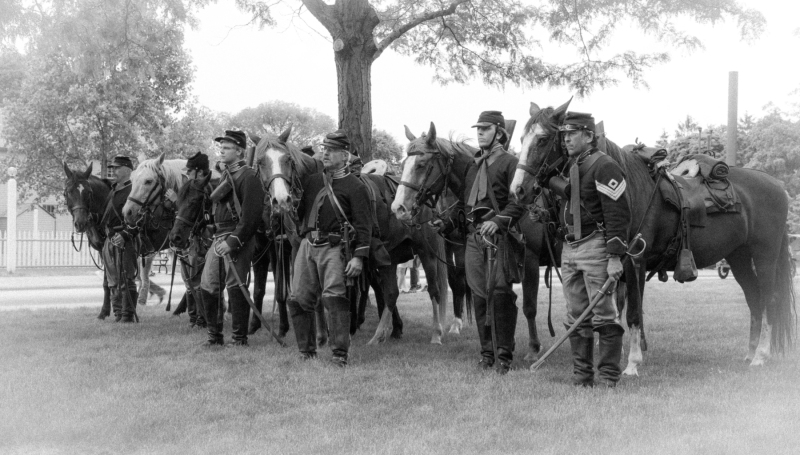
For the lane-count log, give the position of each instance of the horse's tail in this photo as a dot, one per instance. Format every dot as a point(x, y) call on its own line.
point(442, 284)
point(782, 314)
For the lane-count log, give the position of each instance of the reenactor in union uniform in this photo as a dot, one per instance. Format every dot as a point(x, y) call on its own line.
point(337, 227)
point(238, 203)
point(597, 215)
point(492, 213)
point(192, 266)
point(119, 252)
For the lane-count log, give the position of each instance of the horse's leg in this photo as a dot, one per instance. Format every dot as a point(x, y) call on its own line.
point(260, 272)
point(633, 294)
point(105, 310)
point(530, 292)
point(741, 262)
point(283, 267)
point(766, 261)
point(458, 283)
point(390, 293)
point(435, 278)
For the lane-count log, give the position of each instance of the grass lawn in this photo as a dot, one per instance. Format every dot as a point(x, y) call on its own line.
point(72, 384)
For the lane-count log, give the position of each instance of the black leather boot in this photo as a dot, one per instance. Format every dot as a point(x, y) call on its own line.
point(484, 333)
point(129, 299)
point(240, 316)
point(116, 303)
point(610, 352)
point(305, 329)
point(191, 308)
point(214, 315)
point(582, 343)
point(506, 323)
point(339, 309)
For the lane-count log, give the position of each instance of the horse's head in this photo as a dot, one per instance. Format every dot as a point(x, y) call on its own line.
point(424, 175)
point(192, 207)
point(541, 154)
point(277, 162)
point(80, 198)
point(148, 185)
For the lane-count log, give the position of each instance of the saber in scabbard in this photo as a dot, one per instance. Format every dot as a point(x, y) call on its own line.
point(244, 290)
point(490, 250)
point(608, 285)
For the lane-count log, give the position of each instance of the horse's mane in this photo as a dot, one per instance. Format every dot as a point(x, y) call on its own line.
point(172, 171)
point(456, 147)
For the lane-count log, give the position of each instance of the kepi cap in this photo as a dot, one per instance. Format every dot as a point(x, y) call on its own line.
point(576, 121)
point(198, 161)
point(121, 161)
point(488, 118)
point(233, 136)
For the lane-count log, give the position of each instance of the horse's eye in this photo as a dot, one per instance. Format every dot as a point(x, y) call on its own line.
point(148, 181)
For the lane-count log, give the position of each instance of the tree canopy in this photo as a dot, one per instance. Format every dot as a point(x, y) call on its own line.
point(309, 126)
point(525, 43)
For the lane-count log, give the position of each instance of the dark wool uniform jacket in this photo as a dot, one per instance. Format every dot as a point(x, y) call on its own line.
point(604, 201)
point(241, 227)
point(116, 200)
point(502, 173)
point(355, 202)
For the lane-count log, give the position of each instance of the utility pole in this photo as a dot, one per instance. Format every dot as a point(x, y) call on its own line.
point(733, 102)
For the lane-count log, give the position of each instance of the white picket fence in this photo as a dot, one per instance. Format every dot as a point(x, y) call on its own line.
point(48, 249)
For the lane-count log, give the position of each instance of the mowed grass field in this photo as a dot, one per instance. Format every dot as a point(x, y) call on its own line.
point(72, 384)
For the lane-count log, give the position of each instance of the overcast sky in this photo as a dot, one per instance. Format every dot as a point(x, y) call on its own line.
point(239, 66)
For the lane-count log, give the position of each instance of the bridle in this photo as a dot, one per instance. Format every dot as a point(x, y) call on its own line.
point(555, 162)
point(92, 217)
point(155, 193)
point(428, 194)
point(293, 182)
point(203, 216)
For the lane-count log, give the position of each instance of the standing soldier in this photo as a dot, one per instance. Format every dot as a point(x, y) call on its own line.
point(492, 212)
point(238, 203)
point(597, 215)
point(119, 252)
point(192, 266)
point(337, 227)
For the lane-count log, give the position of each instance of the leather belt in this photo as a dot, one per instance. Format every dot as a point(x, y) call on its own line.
point(320, 238)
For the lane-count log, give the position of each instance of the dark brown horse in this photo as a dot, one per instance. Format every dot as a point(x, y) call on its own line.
point(754, 241)
point(435, 165)
point(194, 212)
point(85, 195)
point(283, 167)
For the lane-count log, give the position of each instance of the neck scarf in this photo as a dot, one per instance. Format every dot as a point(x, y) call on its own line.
point(479, 189)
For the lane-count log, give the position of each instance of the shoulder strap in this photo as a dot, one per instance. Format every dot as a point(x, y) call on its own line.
point(337, 207)
point(490, 188)
point(237, 205)
point(590, 161)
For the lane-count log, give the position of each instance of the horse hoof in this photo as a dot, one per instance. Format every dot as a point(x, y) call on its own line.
point(758, 361)
point(436, 339)
point(455, 326)
point(632, 370)
point(397, 335)
point(532, 356)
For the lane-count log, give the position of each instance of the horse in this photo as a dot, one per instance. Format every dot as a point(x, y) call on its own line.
point(754, 241)
point(436, 165)
point(283, 167)
point(86, 195)
point(194, 213)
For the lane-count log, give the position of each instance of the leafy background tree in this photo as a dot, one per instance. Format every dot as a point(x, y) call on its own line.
point(770, 144)
point(498, 41)
point(91, 79)
point(309, 126)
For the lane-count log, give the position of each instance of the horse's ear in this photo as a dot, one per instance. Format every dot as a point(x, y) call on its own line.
point(161, 158)
point(67, 171)
point(285, 135)
point(561, 112)
point(255, 138)
point(409, 135)
point(88, 171)
point(206, 179)
point(431, 138)
point(534, 109)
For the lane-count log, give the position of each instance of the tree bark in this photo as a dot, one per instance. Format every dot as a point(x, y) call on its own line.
point(351, 24)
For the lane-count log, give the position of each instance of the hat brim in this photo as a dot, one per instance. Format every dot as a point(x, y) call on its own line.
point(227, 139)
point(483, 124)
point(564, 128)
point(119, 165)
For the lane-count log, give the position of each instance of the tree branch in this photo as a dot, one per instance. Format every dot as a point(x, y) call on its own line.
point(397, 33)
point(322, 12)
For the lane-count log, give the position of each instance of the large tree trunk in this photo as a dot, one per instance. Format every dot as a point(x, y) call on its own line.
point(351, 24)
point(354, 75)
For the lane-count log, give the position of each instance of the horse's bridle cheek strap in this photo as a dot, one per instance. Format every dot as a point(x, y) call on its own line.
point(527, 169)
